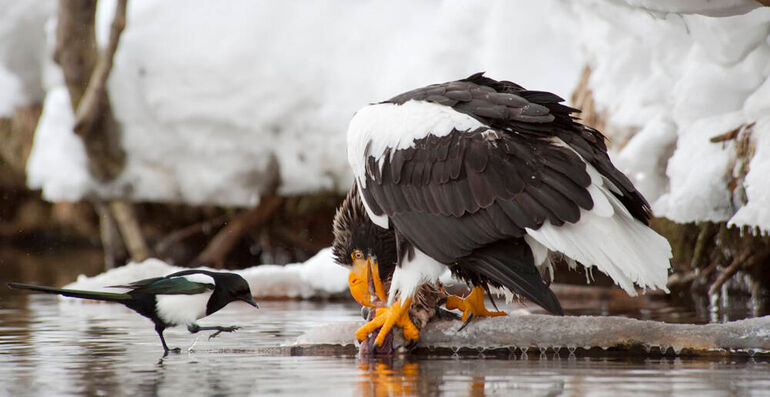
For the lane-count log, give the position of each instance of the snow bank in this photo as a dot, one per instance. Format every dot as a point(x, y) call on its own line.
point(10, 92)
point(704, 7)
point(317, 278)
point(538, 333)
point(21, 52)
point(207, 92)
point(677, 81)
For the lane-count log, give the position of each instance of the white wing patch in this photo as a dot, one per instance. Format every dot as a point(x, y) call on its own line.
point(611, 239)
point(388, 125)
point(182, 309)
point(199, 278)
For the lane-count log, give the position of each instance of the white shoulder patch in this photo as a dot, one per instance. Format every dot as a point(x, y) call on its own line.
point(199, 278)
point(388, 125)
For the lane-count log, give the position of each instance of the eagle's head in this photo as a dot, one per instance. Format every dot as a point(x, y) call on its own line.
point(367, 249)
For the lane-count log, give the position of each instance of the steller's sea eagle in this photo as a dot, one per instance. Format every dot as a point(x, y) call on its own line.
point(487, 178)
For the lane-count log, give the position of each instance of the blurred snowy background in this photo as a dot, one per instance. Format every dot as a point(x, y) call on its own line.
point(206, 91)
point(211, 96)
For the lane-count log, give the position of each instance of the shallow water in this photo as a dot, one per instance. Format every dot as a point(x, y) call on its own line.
point(49, 347)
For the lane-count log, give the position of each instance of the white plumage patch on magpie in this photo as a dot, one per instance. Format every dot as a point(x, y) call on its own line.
point(182, 309)
point(200, 278)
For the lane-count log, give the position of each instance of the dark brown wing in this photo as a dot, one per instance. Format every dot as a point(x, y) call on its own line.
point(466, 198)
point(454, 194)
point(532, 115)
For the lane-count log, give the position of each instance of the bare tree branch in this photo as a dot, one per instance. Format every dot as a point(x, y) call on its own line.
point(215, 253)
point(129, 229)
point(94, 121)
point(86, 73)
point(75, 48)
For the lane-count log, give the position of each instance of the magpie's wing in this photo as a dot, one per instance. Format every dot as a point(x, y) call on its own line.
point(188, 282)
point(138, 283)
point(171, 286)
point(183, 281)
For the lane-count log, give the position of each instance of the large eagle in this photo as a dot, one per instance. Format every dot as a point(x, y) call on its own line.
point(487, 179)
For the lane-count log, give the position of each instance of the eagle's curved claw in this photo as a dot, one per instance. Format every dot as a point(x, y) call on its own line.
point(471, 306)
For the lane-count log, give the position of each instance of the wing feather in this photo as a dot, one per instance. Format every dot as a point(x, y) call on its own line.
point(456, 193)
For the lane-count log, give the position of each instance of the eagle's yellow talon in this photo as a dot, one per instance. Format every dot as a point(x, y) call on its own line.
point(370, 327)
point(472, 304)
point(387, 318)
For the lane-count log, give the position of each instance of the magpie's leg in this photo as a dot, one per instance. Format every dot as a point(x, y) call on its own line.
point(193, 328)
point(159, 329)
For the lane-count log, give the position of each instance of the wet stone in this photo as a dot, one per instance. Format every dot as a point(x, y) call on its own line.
point(597, 336)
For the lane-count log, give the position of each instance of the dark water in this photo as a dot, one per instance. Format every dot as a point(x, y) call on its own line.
point(48, 347)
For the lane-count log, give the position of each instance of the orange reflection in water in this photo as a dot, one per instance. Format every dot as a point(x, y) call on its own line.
point(385, 378)
point(394, 378)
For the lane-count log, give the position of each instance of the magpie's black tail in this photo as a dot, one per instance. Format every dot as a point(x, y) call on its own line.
point(95, 295)
point(511, 264)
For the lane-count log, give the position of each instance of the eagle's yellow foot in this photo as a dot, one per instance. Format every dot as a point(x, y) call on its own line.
point(387, 317)
point(472, 305)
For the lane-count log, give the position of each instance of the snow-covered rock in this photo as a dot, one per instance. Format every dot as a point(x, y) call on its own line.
point(317, 278)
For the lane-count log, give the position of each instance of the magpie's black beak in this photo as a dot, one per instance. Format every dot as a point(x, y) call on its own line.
point(250, 300)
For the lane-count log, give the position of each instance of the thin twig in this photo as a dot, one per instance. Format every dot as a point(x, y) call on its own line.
point(677, 279)
point(186, 232)
point(130, 230)
point(725, 275)
point(707, 233)
point(215, 253)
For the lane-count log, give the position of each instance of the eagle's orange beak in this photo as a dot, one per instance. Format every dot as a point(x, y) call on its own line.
point(364, 281)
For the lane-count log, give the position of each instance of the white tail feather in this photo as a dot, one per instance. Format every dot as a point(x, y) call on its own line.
point(609, 238)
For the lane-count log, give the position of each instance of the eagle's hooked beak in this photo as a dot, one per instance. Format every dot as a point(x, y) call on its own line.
point(364, 280)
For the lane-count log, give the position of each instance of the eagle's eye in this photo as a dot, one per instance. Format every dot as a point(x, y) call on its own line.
point(357, 254)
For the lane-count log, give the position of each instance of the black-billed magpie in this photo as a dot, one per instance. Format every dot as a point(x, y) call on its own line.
point(176, 299)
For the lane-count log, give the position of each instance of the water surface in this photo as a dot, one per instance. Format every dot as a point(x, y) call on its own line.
point(49, 347)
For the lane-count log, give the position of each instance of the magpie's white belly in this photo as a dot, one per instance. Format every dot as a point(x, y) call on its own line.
point(182, 309)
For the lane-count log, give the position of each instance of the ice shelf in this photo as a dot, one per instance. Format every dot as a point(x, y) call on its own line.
point(581, 335)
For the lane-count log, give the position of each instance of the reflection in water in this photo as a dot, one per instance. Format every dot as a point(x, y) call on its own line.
point(48, 347)
point(555, 375)
point(382, 378)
